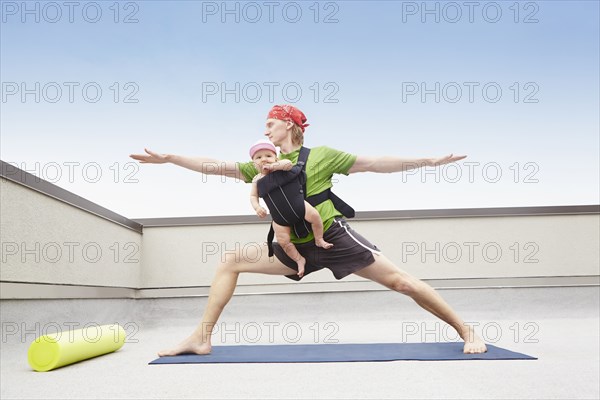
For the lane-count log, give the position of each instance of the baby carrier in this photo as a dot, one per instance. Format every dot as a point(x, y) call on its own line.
point(284, 192)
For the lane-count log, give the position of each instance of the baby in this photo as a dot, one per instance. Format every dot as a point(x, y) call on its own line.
point(264, 156)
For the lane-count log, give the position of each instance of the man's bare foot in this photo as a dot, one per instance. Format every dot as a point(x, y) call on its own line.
point(475, 347)
point(322, 243)
point(301, 263)
point(189, 345)
point(473, 343)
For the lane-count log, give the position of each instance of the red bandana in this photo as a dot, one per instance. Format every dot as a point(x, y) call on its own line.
point(289, 113)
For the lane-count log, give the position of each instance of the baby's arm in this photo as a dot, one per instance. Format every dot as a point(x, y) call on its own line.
point(260, 211)
point(279, 165)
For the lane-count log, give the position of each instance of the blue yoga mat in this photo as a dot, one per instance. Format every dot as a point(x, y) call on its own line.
point(318, 353)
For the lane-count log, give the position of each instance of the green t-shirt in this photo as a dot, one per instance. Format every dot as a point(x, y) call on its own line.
point(322, 163)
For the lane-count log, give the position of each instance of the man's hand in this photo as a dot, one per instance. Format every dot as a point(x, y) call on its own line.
point(261, 212)
point(150, 158)
point(434, 162)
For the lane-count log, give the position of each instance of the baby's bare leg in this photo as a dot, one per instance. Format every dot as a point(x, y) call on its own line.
point(312, 216)
point(282, 233)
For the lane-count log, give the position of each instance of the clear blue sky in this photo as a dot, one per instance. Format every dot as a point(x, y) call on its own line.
point(369, 74)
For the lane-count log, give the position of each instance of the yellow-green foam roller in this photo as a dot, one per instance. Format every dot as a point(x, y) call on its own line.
point(58, 349)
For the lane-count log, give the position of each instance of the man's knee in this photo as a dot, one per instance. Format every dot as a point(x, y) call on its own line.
point(230, 261)
point(404, 284)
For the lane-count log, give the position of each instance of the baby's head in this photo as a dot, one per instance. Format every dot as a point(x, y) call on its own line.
point(263, 152)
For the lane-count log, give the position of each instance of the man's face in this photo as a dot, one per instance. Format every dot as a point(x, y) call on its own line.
point(277, 130)
point(263, 157)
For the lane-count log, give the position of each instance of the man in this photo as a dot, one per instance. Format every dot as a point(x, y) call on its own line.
point(285, 128)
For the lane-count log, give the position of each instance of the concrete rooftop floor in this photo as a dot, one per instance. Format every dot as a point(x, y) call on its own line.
point(558, 325)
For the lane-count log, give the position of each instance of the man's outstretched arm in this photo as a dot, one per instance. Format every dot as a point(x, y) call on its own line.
point(396, 164)
point(205, 165)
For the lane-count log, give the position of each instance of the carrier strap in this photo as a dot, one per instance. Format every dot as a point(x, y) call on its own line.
point(339, 204)
point(270, 237)
point(326, 194)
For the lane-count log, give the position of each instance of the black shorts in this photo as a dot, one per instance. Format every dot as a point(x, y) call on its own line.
point(350, 252)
